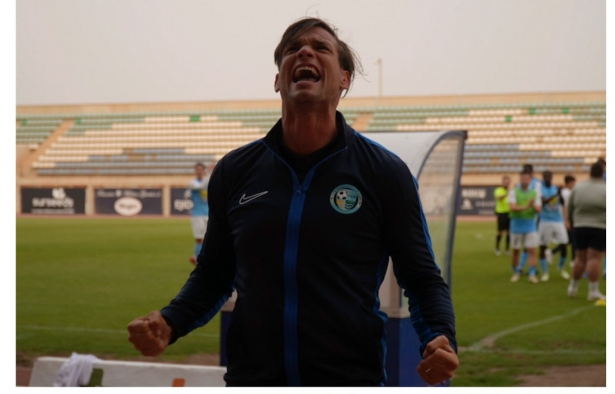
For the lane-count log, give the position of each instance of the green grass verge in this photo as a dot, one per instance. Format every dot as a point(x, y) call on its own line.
point(81, 281)
point(573, 331)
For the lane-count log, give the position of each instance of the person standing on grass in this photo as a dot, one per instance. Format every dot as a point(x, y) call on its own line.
point(587, 216)
point(569, 182)
point(524, 204)
point(200, 208)
point(536, 185)
point(502, 211)
point(302, 224)
point(602, 162)
point(551, 227)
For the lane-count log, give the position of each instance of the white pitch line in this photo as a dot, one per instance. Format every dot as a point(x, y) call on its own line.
point(489, 341)
point(103, 330)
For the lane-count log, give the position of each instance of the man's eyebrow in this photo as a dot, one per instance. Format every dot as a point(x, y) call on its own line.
point(299, 41)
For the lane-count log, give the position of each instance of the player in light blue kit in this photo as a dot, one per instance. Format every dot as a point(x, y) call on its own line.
point(552, 225)
point(535, 184)
point(524, 205)
point(200, 208)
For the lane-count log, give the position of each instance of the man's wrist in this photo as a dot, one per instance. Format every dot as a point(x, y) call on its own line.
point(173, 332)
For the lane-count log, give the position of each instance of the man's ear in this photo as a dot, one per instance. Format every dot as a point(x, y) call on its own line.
point(345, 81)
point(276, 85)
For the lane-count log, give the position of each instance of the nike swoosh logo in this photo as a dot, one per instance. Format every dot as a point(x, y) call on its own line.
point(245, 199)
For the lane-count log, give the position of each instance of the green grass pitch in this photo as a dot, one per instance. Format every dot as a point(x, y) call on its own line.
point(79, 282)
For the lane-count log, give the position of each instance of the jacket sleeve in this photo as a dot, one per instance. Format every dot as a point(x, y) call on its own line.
point(211, 283)
point(407, 239)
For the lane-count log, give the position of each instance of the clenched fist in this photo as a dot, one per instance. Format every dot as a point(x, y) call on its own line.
point(439, 361)
point(150, 334)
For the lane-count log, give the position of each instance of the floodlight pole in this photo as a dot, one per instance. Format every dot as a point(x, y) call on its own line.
point(379, 63)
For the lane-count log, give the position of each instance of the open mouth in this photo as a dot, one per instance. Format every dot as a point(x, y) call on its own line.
point(306, 73)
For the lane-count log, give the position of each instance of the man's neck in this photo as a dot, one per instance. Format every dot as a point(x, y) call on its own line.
point(307, 130)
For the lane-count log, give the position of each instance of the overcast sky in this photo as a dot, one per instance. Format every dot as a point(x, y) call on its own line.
point(115, 51)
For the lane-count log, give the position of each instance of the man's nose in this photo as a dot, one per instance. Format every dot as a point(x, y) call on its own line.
point(305, 51)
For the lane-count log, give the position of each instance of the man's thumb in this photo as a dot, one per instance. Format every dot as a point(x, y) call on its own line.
point(154, 323)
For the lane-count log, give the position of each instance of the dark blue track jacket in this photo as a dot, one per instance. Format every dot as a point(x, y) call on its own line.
point(307, 256)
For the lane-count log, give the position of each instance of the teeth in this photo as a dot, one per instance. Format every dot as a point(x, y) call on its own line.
point(307, 68)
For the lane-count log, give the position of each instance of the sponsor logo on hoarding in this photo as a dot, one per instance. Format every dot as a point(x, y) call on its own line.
point(477, 200)
point(468, 192)
point(58, 200)
point(127, 206)
point(181, 201)
point(128, 202)
point(183, 205)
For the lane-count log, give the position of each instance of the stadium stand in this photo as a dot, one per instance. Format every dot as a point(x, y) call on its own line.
point(564, 133)
point(148, 143)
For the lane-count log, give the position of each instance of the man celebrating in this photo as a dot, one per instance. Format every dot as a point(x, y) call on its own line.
point(200, 208)
point(302, 224)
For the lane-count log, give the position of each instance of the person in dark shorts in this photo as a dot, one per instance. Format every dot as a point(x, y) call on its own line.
point(569, 182)
point(502, 211)
point(587, 215)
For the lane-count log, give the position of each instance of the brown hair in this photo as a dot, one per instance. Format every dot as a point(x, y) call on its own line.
point(596, 170)
point(348, 59)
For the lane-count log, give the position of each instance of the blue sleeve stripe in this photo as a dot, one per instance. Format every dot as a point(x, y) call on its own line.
point(424, 222)
point(200, 322)
point(382, 268)
point(422, 329)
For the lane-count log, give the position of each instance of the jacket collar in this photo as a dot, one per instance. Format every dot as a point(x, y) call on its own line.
point(275, 134)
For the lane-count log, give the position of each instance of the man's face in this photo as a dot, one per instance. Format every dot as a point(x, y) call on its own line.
point(310, 71)
point(199, 171)
point(570, 185)
point(505, 181)
point(525, 180)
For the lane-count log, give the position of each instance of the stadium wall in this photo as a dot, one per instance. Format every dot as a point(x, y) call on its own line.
point(345, 102)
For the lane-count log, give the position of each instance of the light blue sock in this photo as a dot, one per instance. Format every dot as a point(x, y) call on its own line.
point(562, 263)
point(543, 266)
point(522, 262)
point(532, 271)
point(197, 249)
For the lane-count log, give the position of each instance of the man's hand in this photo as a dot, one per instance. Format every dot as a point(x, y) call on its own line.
point(439, 361)
point(150, 334)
